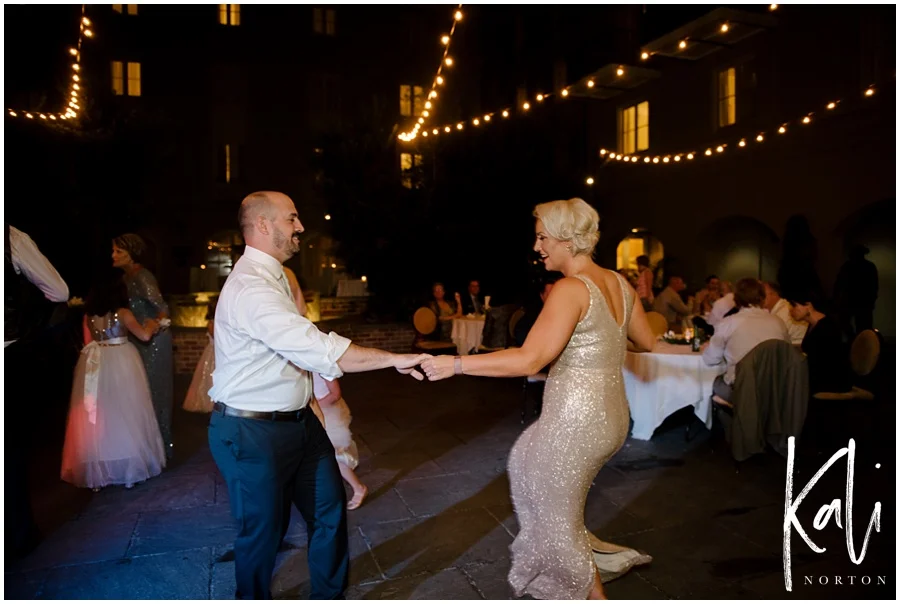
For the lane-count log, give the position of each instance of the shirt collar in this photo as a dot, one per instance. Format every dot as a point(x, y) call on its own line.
point(268, 262)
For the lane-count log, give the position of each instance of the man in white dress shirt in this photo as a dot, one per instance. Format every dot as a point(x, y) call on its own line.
point(781, 308)
point(740, 333)
point(27, 270)
point(270, 448)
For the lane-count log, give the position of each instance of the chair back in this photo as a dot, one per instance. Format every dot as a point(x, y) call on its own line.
point(496, 326)
point(514, 320)
point(864, 352)
point(425, 321)
point(658, 323)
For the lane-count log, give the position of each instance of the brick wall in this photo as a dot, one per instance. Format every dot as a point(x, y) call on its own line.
point(335, 308)
point(189, 343)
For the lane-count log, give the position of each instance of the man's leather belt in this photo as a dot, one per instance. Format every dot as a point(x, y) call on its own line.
point(273, 416)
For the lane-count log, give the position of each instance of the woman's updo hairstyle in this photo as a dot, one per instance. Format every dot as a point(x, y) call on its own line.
point(572, 221)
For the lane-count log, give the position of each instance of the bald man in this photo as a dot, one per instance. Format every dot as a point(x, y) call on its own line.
point(270, 448)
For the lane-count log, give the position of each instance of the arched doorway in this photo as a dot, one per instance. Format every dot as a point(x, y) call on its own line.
point(640, 242)
point(739, 246)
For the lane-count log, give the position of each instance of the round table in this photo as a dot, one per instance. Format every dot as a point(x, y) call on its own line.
point(660, 383)
point(467, 333)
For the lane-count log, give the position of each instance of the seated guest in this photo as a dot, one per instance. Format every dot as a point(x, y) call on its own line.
point(826, 355)
point(705, 298)
point(445, 312)
point(669, 304)
point(739, 334)
point(473, 302)
point(781, 308)
point(644, 285)
point(724, 306)
point(534, 309)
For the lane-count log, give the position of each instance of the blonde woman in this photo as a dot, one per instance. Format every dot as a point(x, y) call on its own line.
point(582, 330)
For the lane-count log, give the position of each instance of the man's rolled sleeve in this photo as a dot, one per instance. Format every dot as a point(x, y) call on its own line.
point(273, 319)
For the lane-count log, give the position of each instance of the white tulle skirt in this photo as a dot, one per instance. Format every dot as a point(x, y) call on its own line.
point(114, 438)
point(197, 399)
point(336, 418)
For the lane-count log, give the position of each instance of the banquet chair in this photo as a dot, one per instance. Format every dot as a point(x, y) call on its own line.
point(658, 323)
point(864, 354)
point(425, 323)
point(513, 321)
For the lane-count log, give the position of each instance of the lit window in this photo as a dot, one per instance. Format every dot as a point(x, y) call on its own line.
point(324, 21)
point(408, 161)
point(134, 79)
point(132, 9)
point(634, 128)
point(117, 8)
point(412, 100)
point(118, 78)
point(230, 14)
point(727, 97)
point(228, 163)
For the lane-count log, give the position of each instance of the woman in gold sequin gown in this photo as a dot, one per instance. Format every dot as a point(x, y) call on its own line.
point(583, 330)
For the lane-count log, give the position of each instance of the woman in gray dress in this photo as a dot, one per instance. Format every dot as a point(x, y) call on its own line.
point(146, 302)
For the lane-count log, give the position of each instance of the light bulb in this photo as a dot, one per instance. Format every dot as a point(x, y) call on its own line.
point(634, 159)
point(646, 160)
point(645, 55)
point(870, 91)
point(435, 131)
point(620, 72)
point(602, 151)
point(590, 84)
point(760, 138)
point(487, 118)
point(476, 121)
point(724, 28)
point(773, 7)
point(64, 117)
point(12, 113)
point(445, 40)
point(52, 117)
point(76, 87)
point(75, 77)
point(73, 52)
point(432, 94)
point(540, 98)
point(421, 120)
point(333, 265)
point(782, 130)
point(666, 159)
point(440, 80)
point(43, 117)
point(29, 116)
point(425, 134)
point(590, 180)
point(459, 126)
point(86, 21)
point(76, 66)
point(363, 278)
point(708, 152)
point(690, 156)
point(327, 216)
point(446, 128)
point(565, 92)
point(682, 45)
point(448, 61)
point(88, 33)
point(655, 160)
point(743, 143)
point(202, 267)
point(627, 158)
point(424, 114)
point(831, 105)
point(427, 104)
point(526, 106)
point(806, 120)
point(505, 113)
point(719, 149)
point(677, 158)
point(458, 15)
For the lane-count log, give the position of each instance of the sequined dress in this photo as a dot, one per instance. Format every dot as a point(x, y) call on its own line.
point(111, 435)
point(146, 302)
point(583, 424)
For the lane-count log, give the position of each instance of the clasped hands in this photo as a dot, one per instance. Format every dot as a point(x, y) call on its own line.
point(436, 368)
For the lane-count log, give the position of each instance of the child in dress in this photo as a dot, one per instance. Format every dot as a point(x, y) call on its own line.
point(197, 398)
point(112, 436)
point(333, 413)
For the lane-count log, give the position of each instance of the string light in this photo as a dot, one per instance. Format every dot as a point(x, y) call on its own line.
point(677, 158)
point(666, 159)
point(760, 138)
point(540, 98)
point(782, 130)
point(458, 15)
point(620, 71)
point(487, 117)
point(724, 28)
point(807, 120)
point(526, 106)
point(589, 181)
point(831, 105)
point(773, 7)
point(445, 39)
point(690, 156)
point(870, 91)
point(603, 151)
point(12, 113)
point(565, 92)
point(720, 149)
point(590, 83)
point(435, 132)
point(646, 160)
point(708, 152)
point(645, 55)
point(448, 61)
point(682, 45)
point(440, 80)
point(446, 128)
point(476, 121)
point(459, 126)
point(655, 160)
point(742, 143)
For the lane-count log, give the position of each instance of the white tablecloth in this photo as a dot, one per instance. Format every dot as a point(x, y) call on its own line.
point(660, 383)
point(467, 333)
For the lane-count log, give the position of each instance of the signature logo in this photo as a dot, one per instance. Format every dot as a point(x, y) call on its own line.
point(825, 513)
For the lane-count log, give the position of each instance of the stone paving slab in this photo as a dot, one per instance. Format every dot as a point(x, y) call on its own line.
point(173, 530)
